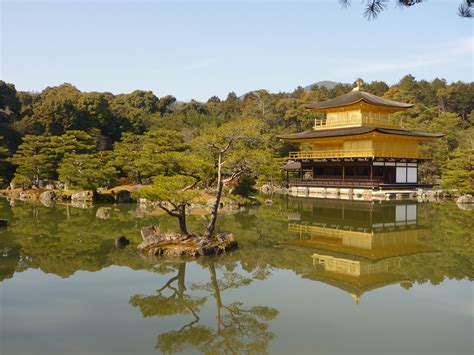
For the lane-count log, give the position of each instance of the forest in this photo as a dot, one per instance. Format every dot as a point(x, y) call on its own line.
point(90, 140)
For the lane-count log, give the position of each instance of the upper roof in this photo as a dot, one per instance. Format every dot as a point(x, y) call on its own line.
point(338, 132)
point(354, 97)
point(291, 165)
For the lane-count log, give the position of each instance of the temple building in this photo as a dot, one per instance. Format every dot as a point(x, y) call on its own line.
point(358, 144)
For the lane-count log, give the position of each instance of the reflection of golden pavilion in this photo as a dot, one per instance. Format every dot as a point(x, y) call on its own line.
point(358, 246)
point(371, 230)
point(366, 244)
point(356, 276)
point(354, 267)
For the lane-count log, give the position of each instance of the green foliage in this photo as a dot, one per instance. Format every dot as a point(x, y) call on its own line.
point(242, 143)
point(457, 97)
point(185, 163)
point(38, 157)
point(173, 194)
point(147, 130)
point(458, 173)
point(141, 156)
point(4, 164)
point(378, 88)
point(170, 189)
point(88, 171)
point(57, 111)
point(139, 109)
point(74, 142)
point(245, 186)
point(127, 154)
point(9, 103)
point(34, 160)
point(94, 107)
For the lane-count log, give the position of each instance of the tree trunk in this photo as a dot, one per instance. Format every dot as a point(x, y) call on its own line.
point(182, 220)
point(215, 208)
point(36, 180)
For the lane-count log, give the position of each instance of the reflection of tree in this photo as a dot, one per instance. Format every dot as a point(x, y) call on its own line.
point(9, 248)
point(170, 299)
point(9, 257)
point(62, 240)
point(237, 328)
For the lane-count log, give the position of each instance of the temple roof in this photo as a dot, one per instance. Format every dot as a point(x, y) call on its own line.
point(338, 132)
point(354, 97)
point(291, 165)
point(329, 244)
point(356, 285)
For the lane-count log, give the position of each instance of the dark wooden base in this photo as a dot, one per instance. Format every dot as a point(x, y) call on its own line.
point(347, 173)
point(374, 184)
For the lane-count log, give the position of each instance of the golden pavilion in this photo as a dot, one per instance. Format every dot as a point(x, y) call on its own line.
point(358, 144)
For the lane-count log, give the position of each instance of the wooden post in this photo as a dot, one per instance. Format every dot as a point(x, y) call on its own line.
point(371, 169)
point(343, 171)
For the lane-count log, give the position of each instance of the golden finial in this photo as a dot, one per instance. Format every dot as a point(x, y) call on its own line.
point(358, 83)
point(355, 298)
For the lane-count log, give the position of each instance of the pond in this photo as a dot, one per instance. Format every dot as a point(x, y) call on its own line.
point(311, 276)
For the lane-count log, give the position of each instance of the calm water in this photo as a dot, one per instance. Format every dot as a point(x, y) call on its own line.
point(310, 277)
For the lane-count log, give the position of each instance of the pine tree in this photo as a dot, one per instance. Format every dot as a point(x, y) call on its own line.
point(4, 164)
point(88, 171)
point(127, 154)
point(458, 173)
point(138, 156)
point(173, 194)
point(35, 160)
point(234, 149)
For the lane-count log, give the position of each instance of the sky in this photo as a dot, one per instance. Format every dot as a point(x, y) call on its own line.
point(196, 49)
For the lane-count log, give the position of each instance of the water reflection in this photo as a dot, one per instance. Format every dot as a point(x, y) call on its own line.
point(421, 242)
point(63, 239)
point(237, 328)
point(361, 246)
point(213, 304)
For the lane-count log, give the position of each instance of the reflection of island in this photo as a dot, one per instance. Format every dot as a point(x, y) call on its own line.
point(357, 246)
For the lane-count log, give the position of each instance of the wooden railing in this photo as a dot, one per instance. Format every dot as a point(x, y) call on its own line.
point(326, 232)
point(358, 182)
point(356, 153)
point(355, 121)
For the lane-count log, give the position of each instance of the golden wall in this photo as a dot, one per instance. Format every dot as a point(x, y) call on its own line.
point(395, 147)
point(357, 118)
point(366, 145)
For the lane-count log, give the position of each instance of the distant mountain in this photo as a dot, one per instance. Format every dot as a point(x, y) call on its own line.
point(328, 84)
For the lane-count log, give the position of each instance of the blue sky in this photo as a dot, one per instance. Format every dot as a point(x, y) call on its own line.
point(196, 49)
